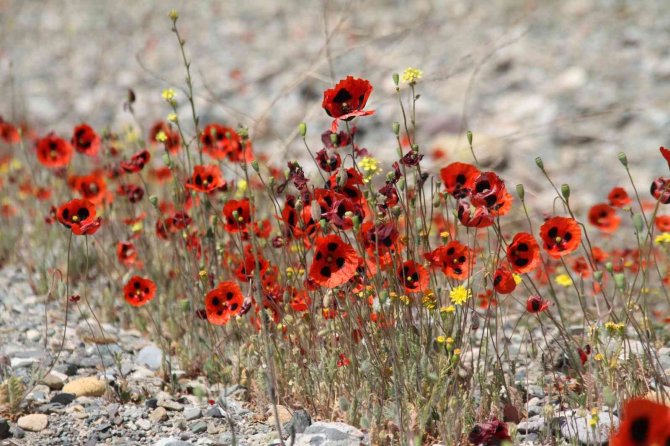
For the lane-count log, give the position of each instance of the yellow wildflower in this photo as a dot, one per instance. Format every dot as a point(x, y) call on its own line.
point(172, 117)
point(563, 280)
point(662, 239)
point(370, 167)
point(460, 295)
point(441, 339)
point(161, 136)
point(449, 309)
point(517, 278)
point(411, 75)
point(168, 95)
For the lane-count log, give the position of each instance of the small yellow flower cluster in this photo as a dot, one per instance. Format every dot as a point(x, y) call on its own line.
point(459, 295)
point(168, 95)
point(411, 75)
point(517, 278)
point(291, 272)
point(370, 167)
point(428, 300)
point(662, 239)
point(161, 136)
point(447, 309)
point(563, 280)
point(614, 327)
point(172, 117)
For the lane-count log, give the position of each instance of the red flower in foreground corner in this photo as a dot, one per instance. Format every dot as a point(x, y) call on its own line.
point(662, 223)
point(223, 302)
point(139, 291)
point(53, 151)
point(413, 276)
point(604, 217)
point(491, 433)
point(561, 236)
point(335, 262)
point(523, 253)
point(85, 140)
point(347, 99)
point(206, 178)
point(535, 304)
point(644, 423)
point(79, 216)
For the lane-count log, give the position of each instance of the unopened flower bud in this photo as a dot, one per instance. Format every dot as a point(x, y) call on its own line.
point(609, 267)
point(254, 165)
point(469, 135)
point(598, 276)
point(153, 200)
point(520, 191)
point(396, 79)
point(302, 129)
point(623, 159)
point(638, 224)
point(539, 163)
point(396, 128)
point(620, 281)
point(565, 191)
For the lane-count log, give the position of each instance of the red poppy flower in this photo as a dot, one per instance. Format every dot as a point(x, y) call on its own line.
point(53, 151)
point(9, 133)
point(660, 189)
point(335, 262)
point(454, 259)
point(351, 186)
point(491, 433)
point(173, 139)
point(223, 302)
point(535, 304)
point(137, 162)
point(299, 300)
point(299, 223)
point(126, 253)
point(644, 423)
point(381, 238)
point(221, 142)
point(472, 216)
point(79, 216)
point(237, 214)
point(134, 193)
point(347, 99)
point(338, 209)
point(618, 197)
point(581, 267)
point(561, 236)
point(139, 291)
point(503, 281)
point(666, 154)
point(246, 269)
point(523, 253)
point(328, 162)
point(85, 140)
point(161, 174)
point(413, 276)
point(459, 178)
point(91, 187)
point(489, 191)
point(662, 223)
point(604, 217)
point(206, 179)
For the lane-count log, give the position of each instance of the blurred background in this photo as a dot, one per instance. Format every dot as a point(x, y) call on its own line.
point(573, 81)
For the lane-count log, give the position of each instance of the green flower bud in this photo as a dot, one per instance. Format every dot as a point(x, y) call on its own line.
point(153, 200)
point(638, 224)
point(520, 191)
point(598, 276)
point(254, 165)
point(565, 191)
point(609, 267)
point(396, 128)
point(396, 79)
point(620, 281)
point(623, 159)
point(469, 135)
point(539, 163)
point(302, 129)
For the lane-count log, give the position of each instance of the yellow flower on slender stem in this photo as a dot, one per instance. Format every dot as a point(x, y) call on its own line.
point(563, 280)
point(411, 75)
point(459, 295)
